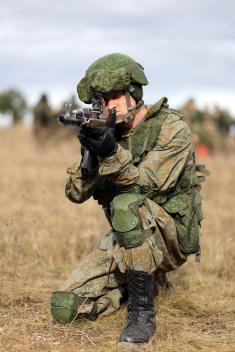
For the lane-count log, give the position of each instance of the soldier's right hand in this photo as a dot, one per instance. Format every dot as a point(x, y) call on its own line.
point(100, 140)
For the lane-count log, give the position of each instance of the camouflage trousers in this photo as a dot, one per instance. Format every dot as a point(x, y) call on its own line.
point(102, 275)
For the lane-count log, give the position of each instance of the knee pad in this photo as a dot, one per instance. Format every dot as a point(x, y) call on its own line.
point(126, 220)
point(65, 306)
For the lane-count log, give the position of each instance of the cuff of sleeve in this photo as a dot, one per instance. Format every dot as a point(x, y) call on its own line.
point(74, 171)
point(115, 162)
point(74, 168)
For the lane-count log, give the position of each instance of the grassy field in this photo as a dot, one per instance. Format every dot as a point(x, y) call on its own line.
point(43, 236)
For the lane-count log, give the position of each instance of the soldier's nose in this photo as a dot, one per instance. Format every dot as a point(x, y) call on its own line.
point(111, 104)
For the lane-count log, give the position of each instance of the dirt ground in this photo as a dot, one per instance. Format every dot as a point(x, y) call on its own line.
point(43, 236)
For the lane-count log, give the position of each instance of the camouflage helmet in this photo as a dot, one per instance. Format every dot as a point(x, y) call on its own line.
point(112, 72)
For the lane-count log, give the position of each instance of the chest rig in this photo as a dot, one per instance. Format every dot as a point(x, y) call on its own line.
point(143, 138)
point(183, 202)
point(139, 143)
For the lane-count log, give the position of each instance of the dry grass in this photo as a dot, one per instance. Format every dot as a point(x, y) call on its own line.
point(42, 237)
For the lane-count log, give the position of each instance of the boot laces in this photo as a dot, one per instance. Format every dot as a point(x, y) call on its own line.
point(138, 301)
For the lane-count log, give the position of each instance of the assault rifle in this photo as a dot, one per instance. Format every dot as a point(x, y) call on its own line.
point(89, 117)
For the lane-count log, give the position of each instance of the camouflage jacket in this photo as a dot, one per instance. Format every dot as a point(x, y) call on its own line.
point(159, 169)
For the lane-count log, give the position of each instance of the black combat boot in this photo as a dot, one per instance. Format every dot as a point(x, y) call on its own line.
point(141, 323)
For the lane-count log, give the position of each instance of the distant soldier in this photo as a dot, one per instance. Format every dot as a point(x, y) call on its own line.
point(42, 117)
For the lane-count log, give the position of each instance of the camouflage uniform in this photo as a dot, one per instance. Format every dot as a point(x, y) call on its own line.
point(166, 174)
point(146, 181)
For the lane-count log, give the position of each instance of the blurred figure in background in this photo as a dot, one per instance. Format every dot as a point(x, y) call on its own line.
point(43, 118)
point(210, 128)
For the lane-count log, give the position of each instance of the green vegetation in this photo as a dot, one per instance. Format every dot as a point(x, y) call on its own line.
point(12, 101)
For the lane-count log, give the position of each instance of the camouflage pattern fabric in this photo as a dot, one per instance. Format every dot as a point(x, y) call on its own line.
point(110, 72)
point(162, 166)
point(102, 275)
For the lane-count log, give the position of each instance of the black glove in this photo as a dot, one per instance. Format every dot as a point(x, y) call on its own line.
point(100, 140)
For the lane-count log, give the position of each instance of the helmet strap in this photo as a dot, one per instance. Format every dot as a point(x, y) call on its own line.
point(132, 110)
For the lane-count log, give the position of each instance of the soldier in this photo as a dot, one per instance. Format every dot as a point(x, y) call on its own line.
point(144, 176)
point(42, 118)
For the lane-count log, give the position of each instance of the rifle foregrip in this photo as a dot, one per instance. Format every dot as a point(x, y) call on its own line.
point(87, 163)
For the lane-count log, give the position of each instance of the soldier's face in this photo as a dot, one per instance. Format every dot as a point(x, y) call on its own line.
point(117, 100)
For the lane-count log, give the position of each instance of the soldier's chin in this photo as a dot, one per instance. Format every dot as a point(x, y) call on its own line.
point(119, 118)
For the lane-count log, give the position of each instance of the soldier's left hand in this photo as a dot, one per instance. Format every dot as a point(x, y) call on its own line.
point(100, 140)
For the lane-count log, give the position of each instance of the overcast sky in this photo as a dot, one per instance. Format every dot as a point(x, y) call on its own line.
point(186, 47)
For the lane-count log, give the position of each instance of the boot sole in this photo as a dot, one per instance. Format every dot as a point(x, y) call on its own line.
point(129, 347)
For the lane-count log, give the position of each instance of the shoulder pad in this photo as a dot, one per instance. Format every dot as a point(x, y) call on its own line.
point(154, 109)
point(172, 111)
